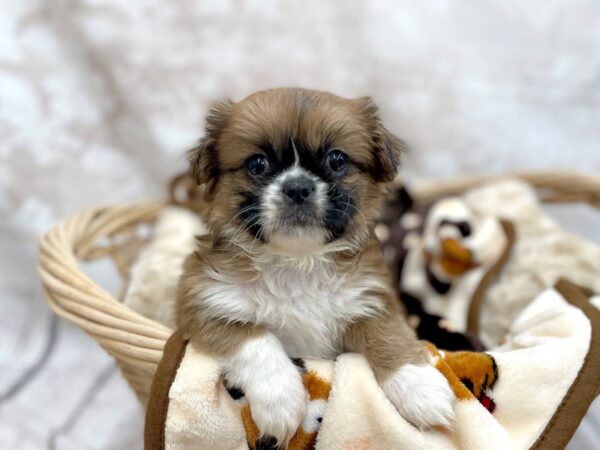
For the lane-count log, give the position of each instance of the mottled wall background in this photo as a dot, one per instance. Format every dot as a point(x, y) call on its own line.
point(99, 99)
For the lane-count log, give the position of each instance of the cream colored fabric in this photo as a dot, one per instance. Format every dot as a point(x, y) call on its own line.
point(151, 290)
point(544, 351)
point(201, 414)
point(543, 253)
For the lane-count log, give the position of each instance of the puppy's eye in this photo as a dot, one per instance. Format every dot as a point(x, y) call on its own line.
point(337, 160)
point(257, 164)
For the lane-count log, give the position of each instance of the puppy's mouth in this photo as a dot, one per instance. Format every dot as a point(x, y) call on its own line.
point(294, 205)
point(296, 216)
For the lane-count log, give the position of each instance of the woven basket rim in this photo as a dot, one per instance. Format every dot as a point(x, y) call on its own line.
point(137, 342)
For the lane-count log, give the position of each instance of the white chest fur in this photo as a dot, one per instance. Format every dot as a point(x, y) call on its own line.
point(306, 310)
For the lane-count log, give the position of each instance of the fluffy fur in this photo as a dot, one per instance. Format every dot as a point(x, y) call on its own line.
point(294, 180)
point(272, 384)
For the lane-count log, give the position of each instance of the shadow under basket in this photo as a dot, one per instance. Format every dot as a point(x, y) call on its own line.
point(116, 232)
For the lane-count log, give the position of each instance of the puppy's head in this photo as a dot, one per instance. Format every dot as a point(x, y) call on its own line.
point(295, 171)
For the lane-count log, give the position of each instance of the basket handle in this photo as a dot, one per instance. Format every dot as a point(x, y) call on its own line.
point(552, 187)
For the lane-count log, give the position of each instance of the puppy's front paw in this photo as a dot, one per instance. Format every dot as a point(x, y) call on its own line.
point(278, 404)
point(421, 395)
point(272, 384)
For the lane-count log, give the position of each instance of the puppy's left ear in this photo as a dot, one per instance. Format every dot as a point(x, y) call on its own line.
point(387, 149)
point(204, 158)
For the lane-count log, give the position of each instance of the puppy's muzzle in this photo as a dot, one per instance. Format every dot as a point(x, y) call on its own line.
point(299, 190)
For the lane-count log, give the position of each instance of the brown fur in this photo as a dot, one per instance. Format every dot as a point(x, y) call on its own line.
point(236, 131)
point(214, 336)
point(386, 340)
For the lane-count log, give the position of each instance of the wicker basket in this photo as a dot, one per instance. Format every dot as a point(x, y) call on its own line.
point(136, 342)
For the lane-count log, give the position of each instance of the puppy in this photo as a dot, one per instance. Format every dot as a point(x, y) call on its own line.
point(293, 181)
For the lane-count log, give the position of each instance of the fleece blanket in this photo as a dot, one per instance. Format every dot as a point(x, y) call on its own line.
point(466, 266)
point(529, 392)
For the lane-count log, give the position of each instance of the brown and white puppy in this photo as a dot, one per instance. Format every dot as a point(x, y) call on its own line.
point(294, 180)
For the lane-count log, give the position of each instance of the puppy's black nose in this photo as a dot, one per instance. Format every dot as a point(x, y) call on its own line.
point(298, 189)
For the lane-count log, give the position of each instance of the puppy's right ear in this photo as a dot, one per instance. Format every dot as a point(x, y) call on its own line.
point(204, 158)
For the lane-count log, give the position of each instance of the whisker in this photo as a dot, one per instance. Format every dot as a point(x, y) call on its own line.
point(243, 227)
point(242, 211)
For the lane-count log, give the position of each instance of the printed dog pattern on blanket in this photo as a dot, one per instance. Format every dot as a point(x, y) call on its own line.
point(470, 374)
point(477, 372)
point(440, 256)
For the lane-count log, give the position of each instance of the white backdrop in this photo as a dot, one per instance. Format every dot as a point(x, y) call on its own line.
point(100, 98)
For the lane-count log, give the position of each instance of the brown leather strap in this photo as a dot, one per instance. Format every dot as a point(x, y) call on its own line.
point(479, 294)
point(584, 389)
point(158, 401)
